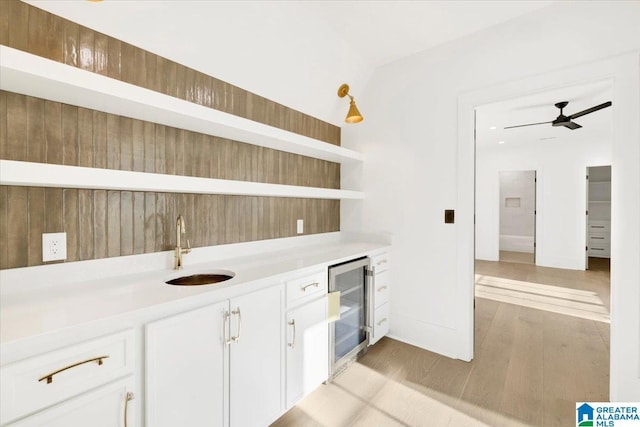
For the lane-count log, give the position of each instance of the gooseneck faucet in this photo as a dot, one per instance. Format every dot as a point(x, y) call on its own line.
point(180, 229)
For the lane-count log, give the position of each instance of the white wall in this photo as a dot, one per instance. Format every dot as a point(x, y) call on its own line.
point(561, 166)
point(410, 173)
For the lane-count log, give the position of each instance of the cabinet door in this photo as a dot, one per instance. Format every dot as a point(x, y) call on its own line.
point(106, 406)
point(256, 358)
point(307, 349)
point(185, 369)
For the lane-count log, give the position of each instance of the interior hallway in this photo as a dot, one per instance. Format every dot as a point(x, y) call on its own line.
point(530, 368)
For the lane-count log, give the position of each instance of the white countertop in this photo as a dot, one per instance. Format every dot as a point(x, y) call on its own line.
point(44, 309)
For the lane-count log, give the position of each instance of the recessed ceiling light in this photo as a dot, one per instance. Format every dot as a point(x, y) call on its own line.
point(500, 142)
point(492, 128)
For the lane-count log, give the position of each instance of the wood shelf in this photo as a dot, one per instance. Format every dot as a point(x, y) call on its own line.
point(33, 75)
point(48, 175)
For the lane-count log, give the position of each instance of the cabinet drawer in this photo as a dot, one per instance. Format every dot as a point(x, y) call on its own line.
point(305, 288)
point(599, 227)
point(599, 239)
point(380, 323)
point(381, 288)
point(601, 251)
point(380, 262)
point(41, 381)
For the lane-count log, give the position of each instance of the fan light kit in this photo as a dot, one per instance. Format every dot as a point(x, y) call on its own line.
point(567, 121)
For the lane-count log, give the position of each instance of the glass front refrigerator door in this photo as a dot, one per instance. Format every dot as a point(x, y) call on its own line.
point(350, 331)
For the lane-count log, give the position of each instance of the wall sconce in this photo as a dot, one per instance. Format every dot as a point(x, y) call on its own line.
point(353, 116)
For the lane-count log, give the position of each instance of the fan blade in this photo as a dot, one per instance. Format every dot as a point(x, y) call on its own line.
point(530, 124)
point(571, 125)
point(590, 110)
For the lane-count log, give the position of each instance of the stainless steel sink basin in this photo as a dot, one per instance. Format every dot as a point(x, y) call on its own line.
point(201, 279)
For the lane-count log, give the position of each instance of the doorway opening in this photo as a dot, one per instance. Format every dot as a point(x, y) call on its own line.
point(598, 212)
point(532, 291)
point(518, 216)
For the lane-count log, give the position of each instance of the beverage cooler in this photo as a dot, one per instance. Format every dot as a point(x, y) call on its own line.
point(349, 335)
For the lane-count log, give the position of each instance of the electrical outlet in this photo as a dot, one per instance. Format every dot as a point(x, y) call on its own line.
point(54, 246)
point(300, 226)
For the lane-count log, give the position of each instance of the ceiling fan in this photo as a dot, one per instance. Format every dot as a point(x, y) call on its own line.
point(567, 121)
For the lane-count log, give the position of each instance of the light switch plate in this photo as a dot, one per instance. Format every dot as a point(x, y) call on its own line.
point(54, 246)
point(449, 216)
point(300, 226)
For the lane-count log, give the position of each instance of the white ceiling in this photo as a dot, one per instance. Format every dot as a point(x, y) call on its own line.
point(540, 108)
point(383, 31)
point(294, 52)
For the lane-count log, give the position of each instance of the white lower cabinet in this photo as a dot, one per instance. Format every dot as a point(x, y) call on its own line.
point(220, 365)
point(108, 406)
point(307, 349)
point(82, 384)
point(186, 368)
point(239, 362)
point(256, 358)
point(381, 290)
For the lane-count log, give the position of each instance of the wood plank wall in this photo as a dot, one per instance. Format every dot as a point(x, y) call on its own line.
point(50, 132)
point(36, 31)
point(103, 223)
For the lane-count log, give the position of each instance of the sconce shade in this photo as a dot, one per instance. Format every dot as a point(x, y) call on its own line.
point(353, 116)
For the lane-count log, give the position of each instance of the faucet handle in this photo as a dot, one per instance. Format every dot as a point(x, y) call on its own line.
point(188, 247)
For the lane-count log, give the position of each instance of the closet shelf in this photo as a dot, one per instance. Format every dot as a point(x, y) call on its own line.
point(49, 175)
point(33, 75)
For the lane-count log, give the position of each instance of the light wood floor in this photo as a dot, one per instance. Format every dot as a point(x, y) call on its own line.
point(520, 257)
point(530, 368)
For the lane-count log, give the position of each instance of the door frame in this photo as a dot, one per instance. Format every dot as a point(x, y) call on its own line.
point(586, 222)
point(623, 71)
point(588, 212)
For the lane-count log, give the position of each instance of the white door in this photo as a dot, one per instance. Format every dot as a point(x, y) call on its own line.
point(109, 406)
point(185, 369)
point(256, 358)
point(307, 349)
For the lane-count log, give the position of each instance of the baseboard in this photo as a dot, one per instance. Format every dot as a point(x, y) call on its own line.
point(435, 338)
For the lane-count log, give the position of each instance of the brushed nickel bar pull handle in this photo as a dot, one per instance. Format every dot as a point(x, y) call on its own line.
point(599, 238)
point(598, 249)
point(382, 288)
point(292, 323)
point(237, 311)
point(382, 321)
point(128, 398)
point(225, 326)
point(314, 284)
point(49, 377)
point(597, 226)
point(382, 261)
